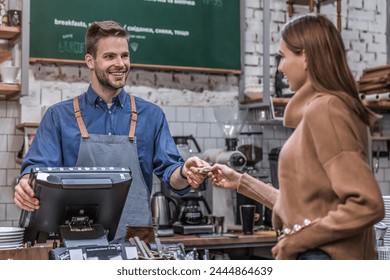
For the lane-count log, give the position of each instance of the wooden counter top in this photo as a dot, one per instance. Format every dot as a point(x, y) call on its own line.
point(258, 239)
point(33, 253)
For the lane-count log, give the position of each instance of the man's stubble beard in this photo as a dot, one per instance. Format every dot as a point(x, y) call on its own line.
point(104, 81)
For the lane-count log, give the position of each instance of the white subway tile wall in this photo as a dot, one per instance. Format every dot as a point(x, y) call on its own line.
point(11, 141)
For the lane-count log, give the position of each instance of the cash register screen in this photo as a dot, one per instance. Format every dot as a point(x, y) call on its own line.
point(97, 193)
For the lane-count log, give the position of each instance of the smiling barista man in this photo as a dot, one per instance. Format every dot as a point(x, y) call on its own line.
point(105, 126)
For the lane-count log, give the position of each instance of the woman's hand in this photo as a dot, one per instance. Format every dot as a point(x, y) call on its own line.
point(222, 176)
point(282, 250)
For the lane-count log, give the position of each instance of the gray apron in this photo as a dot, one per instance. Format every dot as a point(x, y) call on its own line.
point(117, 151)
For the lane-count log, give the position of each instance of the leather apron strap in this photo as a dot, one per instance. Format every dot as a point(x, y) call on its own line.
point(133, 120)
point(83, 129)
point(79, 118)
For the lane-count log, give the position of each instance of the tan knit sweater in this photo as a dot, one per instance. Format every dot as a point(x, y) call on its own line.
point(325, 178)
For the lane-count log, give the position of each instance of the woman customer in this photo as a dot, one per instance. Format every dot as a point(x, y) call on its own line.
point(328, 198)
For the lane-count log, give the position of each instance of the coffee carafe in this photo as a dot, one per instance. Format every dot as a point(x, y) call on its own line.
point(191, 212)
point(183, 146)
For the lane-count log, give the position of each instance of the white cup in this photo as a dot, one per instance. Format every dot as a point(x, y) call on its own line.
point(9, 74)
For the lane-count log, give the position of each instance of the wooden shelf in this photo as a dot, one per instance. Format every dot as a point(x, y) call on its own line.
point(280, 101)
point(8, 91)
point(378, 105)
point(381, 138)
point(22, 126)
point(307, 2)
point(9, 32)
point(317, 4)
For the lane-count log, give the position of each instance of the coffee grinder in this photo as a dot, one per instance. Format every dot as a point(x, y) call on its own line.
point(251, 147)
point(231, 119)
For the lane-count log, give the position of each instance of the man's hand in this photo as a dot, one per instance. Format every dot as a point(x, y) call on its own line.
point(24, 196)
point(193, 170)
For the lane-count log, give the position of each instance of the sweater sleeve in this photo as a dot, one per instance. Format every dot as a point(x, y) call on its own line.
point(257, 190)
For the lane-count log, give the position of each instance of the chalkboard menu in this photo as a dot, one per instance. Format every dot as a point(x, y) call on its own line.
point(176, 34)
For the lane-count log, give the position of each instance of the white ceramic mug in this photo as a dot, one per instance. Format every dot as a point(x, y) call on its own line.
point(9, 74)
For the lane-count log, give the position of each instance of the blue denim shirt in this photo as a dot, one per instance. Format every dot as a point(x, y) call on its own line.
point(57, 140)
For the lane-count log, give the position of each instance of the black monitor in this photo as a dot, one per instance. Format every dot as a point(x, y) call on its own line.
point(77, 200)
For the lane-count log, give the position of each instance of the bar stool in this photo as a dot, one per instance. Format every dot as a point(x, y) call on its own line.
point(317, 3)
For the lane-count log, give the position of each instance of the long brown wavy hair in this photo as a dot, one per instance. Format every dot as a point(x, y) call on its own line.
point(326, 59)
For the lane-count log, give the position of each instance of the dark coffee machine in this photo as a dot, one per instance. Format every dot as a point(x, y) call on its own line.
point(191, 212)
point(193, 217)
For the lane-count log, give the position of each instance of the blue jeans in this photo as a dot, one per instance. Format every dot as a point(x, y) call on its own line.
point(314, 254)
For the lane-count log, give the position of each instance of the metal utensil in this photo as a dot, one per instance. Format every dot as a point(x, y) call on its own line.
point(141, 247)
point(132, 242)
point(147, 250)
point(206, 255)
point(159, 247)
